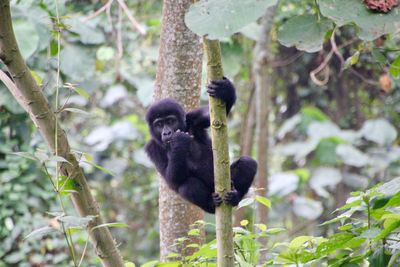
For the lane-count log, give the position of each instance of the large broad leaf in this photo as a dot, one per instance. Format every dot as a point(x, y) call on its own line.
point(351, 155)
point(307, 208)
point(77, 62)
point(325, 177)
point(27, 37)
point(282, 183)
point(371, 24)
point(305, 32)
point(221, 18)
point(87, 34)
point(379, 131)
point(390, 188)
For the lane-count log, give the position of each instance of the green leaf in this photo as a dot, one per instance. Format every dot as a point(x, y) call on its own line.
point(272, 231)
point(81, 92)
point(150, 264)
point(394, 68)
point(371, 24)
point(377, 54)
point(75, 222)
point(129, 264)
point(25, 155)
point(335, 242)
point(78, 62)
point(305, 32)
point(41, 232)
point(193, 245)
point(379, 258)
point(77, 110)
point(263, 200)
point(55, 158)
point(379, 131)
point(244, 222)
point(261, 226)
point(105, 53)
point(27, 37)
point(245, 202)
point(221, 18)
point(299, 241)
point(194, 232)
point(110, 225)
point(87, 34)
point(350, 61)
point(99, 168)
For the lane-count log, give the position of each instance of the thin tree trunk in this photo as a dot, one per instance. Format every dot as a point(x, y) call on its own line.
point(262, 75)
point(222, 176)
point(246, 145)
point(33, 100)
point(178, 77)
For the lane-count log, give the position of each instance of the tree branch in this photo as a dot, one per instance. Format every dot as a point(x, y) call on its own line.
point(32, 99)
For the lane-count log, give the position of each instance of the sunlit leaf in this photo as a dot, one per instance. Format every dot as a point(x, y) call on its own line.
point(263, 200)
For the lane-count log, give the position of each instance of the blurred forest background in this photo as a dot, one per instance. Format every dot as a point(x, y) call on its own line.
point(330, 133)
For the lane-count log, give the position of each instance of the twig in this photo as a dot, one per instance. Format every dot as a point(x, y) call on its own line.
point(286, 61)
point(99, 11)
point(133, 21)
point(315, 71)
point(336, 51)
point(366, 80)
point(13, 89)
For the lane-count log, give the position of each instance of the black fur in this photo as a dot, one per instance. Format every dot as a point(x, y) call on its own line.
point(181, 150)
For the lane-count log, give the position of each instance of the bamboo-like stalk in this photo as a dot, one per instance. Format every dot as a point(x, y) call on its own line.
point(219, 137)
point(34, 102)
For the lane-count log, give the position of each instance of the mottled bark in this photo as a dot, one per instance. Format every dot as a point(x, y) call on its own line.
point(222, 176)
point(263, 81)
point(34, 101)
point(178, 77)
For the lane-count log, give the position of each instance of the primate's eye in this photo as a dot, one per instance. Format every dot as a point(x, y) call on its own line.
point(158, 124)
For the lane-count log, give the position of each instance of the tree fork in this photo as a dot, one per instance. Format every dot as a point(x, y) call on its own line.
point(222, 176)
point(34, 101)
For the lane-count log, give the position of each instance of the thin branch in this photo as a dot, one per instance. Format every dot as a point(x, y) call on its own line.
point(317, 70)
point(362, 78)
point(286, 61)
point(134, 22)
point(99, 11)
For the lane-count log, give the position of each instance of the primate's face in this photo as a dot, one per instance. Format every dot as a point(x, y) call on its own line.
point(165, 127)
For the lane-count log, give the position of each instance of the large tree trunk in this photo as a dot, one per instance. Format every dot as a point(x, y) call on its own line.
point(178, 77)
point(31, 97)
point(263, 81)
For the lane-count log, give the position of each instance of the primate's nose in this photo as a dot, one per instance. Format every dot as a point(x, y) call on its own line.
point(167, 133)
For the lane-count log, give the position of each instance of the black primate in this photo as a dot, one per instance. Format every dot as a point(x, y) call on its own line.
point(181, 150)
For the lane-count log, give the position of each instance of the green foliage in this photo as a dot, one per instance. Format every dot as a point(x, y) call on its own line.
point(371, 24)
point(305, 32)
point(221, 18)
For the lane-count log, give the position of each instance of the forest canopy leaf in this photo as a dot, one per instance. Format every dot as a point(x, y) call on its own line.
point(221, 18)
point(305, 32)
point(371, 24)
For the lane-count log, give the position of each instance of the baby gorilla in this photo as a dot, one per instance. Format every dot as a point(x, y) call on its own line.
point(181, 150)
